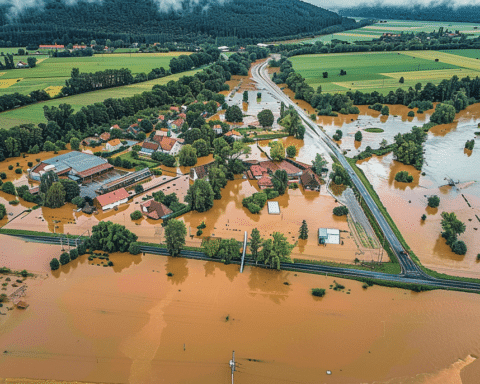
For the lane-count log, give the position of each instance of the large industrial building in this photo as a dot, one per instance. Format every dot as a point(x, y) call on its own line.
point(78, 166)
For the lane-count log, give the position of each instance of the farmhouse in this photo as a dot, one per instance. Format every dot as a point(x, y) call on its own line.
point(168, 144)
point(310, 180)
point(154, 210)
point(77, 166)
point(328, 236)
point(111, 200)
point(258, 171)
point(177, 124)
point(21, 64)
point(292, 170)
point(217, 129)
point(113, 145)
point(234, 135)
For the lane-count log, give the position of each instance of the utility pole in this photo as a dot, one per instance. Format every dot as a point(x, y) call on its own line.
point(232, 364)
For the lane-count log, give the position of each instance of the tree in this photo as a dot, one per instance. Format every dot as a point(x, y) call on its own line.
point(175, 233)
point(48, 146)
point(78, 201)
point(325, 75)
point(31, 61)
point(200, 195)
point(444, 114)
point(383, 143)
point(138, 188)
point(255, 244)
point(280, 181)
point(64, 258)
point(54, 264)
point(46, 181)
point(403, 177)
point(265, 118)
point(291, 151)
point(3, 211)
point(201, 147)
point(135, 215)
point(134, 248)
point(55, 196)
point(71, 188)
point(277, 150)
point(358, 136)
point(402, 80)
point(303, 231)
point(459, 247)
point(9, 188)
point(318, 164)
point(110, 237)
point(234, 114)
point(146, 125)
point(73, 254)
point(276, 251)
point(211, 247)
point(187, 156)
point(245, 96)
point(218, 180)
point(340, 211)
point(433, 201)
point(385, 111)
point(318, 292)
point(74, 144)
point(424, 217)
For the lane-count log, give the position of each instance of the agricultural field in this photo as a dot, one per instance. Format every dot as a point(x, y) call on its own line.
point(53, 71)
point(381, 71)
point(34, 113)
point(396, 26)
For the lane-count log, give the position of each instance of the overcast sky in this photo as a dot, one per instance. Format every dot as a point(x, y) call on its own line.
point(335, 4)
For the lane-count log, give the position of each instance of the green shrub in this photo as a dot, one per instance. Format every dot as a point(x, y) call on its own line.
point(134, 248)
point(433, 201)
point(3, 175)
point(10, 167)
point(73, 254)
point(64, 258)
point(199, 232)
point(319, 292)
point(411, 114)
point(403, 177)
point(110, 264)
point(459, 247)
point(340, 211)
point(424, 217)
point(254, 208)
point(81, 250)
point(30, 164)
point(136, 215)
point(78, 201)
point(202, 225)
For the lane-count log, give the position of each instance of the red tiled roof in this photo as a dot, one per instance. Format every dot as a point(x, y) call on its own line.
point(94, 170)
point(112, 197)
point(166, 143)
point(178, 122)
point(233, 132)
point(174, 109)
point(149, 145)
point(155, 210)
point(285, 165)
point(116, 127)
point(182, 116)
point(257, 170)
point(265, 181)
point(309, 178)
point(105, 136)
point(114, 142)
point(134, 125)
point(34, 190)
point(161, 117)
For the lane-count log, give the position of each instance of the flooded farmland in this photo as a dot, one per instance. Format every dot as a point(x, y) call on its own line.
point(136, 324)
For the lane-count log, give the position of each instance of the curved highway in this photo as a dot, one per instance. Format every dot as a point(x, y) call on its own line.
point(410, 271)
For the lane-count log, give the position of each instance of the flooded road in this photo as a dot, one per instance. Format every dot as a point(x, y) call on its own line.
point(95, 324)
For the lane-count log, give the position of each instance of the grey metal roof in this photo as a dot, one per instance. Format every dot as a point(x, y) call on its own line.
point(78, 161)
point(322, 232)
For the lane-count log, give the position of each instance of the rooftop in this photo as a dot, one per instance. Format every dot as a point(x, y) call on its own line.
point(78, 161)
point(112, 197)
point(155, 210)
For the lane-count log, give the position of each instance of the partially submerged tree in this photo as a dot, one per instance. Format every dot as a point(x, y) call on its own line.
point(175, 233)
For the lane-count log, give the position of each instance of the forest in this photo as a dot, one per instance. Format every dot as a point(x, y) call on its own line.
point(236, 21)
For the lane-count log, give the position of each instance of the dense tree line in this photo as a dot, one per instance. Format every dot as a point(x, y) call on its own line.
point(241, 21)
point(408, 148)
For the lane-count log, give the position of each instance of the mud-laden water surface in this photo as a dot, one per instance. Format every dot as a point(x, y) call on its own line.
point(445, 158)
point(93, 324)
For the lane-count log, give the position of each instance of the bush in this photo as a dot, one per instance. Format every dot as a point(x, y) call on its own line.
point(424, 217)
point(319, 292)
point(3, 175)
point(64, 258)
point(136, 215)
point(199, 232)
point(78, 201)
point(202, 225)
point(81, 249)
point(358, 136)
point(459, 247)
point(138, 188)
point(433, 201)
point(157, 172)
point(73, 254)
point(403, 177)
point(411, 114)
point(54, 264)
point(134, 248)
point(30, 164)
point(291, 151)
point(10, 167)
point(340, 211)
point(271, 193)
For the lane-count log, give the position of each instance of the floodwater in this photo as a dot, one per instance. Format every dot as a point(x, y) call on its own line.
point(445, 158)
point(94, 324)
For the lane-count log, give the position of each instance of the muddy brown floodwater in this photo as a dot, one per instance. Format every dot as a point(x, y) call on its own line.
point(93, 324)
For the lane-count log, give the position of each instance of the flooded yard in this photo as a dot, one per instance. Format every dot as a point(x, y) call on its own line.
point(177, 321)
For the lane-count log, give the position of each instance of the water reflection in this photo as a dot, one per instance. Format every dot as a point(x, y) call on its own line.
point(270, 283)
point(176, 269)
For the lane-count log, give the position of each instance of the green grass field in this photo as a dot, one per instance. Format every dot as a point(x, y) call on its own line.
point(54, 71)
point(365, 71)
point(34, 113)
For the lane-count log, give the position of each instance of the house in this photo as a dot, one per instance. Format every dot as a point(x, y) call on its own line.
point(176, 124)
point(234, 135)
point(258, 171)
point(148, 148)
point(111, 200)
point(154, 210)
point(161, 117)
point(79, 47)
point(182, 116)
point(168, 144)
point(174, 109)
point(200, 172)
point(310, 180)
point(105, 136)
point(51, 46)
point(328, 236)
point(217, 129)
point(21, 64)
point(292, 170)
point(265, 182)
point(134, 129)
point(113, 145)
point(116, 126)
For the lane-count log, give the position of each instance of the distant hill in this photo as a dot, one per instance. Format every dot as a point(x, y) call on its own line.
point(65, 21)
point(441, 12)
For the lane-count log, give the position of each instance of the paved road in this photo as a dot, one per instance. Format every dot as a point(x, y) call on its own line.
point(410, 271)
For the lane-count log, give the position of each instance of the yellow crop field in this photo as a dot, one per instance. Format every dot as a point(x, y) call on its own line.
point(356, 35)
point(448, 58)
point(53, 90)
point(5, 83)
point(432, 75)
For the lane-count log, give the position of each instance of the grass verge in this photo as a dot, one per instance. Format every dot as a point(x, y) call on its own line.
point(391, 268)
point(374, 130)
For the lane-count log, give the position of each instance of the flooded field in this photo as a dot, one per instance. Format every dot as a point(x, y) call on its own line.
point(92, 324)
point(445, 158)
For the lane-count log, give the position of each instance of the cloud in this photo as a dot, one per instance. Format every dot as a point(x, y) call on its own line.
point(16, 7)
point(179, 5)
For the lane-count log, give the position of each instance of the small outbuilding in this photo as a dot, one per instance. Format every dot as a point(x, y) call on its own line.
point(328, 236)
point(111, 200)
